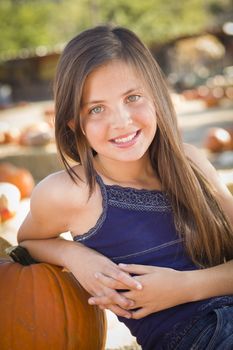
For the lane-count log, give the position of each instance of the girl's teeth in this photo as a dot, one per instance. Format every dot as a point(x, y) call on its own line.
point(125, 139)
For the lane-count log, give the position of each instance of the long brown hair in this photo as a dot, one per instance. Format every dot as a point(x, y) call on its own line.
point(198, 216)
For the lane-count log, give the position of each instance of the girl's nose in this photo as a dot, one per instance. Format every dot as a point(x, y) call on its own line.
point(121, 118)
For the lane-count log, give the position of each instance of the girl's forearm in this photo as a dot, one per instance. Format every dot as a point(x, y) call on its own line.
point(57, 251)
point(210, 282)
point(84, 263)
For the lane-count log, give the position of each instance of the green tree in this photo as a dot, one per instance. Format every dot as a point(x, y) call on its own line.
point(26, 24)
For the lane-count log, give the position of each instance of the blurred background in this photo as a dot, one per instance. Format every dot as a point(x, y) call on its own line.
point(192, 41)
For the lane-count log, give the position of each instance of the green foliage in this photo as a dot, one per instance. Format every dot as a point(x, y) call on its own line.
point(32, 23)
point(157, 20)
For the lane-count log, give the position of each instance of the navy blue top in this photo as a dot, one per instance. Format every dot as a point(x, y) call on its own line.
point(137, 227)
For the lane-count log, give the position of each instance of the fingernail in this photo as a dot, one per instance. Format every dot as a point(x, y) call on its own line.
point(127, 316)
point(91, 302)
point(97, 274)
point(138, 286)
point(122, 265)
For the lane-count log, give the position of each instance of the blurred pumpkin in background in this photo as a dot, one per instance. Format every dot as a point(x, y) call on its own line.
point(218, 140)
point(8, 134)
point(9, 200)
point(20, 177)
point(38, 134)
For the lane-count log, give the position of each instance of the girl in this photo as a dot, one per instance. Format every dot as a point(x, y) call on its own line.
point(151, 221)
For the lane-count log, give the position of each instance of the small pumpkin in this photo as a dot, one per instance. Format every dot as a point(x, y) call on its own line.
point(218, 140)
point(20, 177)
point(8, 134)
point(39, 134)
point(9, 200)
point(190, 94)
point(44, 307)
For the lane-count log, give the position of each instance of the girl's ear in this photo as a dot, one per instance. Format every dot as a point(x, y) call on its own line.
point(71, 124)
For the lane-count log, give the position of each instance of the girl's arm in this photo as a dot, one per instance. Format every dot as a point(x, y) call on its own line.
point(85, 264)
point(164, 288)
point(50, 212)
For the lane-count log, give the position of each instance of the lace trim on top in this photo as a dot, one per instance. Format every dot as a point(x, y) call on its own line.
point(126, 198)
point(137, 199)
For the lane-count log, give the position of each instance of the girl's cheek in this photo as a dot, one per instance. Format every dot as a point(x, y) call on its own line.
point(145, 109)
point(95, 129)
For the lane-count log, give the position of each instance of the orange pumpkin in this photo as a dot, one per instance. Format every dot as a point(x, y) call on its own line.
point(218, 140)
point(9, 200)
point(44, 307)
point(20, 177)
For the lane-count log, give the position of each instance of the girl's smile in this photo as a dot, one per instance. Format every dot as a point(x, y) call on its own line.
point(118, 113)
point(126, 140)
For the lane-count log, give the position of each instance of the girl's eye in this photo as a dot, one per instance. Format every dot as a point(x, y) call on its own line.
point(133, 98)
point(96, 110)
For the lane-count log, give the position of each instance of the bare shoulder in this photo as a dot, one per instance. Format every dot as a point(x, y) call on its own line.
point(199, 158)
point(196, 155)
point(59, 189)
point(52, 203)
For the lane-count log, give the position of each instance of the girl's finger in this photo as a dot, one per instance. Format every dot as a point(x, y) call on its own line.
point(124, 278)
point(136, 269)
point(131, 295)
point(134, 297)
point(119, 311)
point(112, 298)
point(109, 281)
point(116, 310)
point(140, 313)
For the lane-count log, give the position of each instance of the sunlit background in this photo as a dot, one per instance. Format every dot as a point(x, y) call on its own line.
point(193, 43)
point(192, 40)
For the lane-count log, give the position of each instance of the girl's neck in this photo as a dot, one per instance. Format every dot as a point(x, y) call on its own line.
point(137, 174)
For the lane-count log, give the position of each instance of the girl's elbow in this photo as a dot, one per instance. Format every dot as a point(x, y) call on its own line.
point(23, 234)
point(20, 237)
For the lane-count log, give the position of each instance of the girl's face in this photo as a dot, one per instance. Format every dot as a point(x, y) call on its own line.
point(117, 113)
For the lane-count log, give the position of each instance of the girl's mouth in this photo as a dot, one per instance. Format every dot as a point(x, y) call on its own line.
point(127, 140)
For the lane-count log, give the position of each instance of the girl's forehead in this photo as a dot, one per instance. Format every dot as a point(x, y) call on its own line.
point(114, 69)
point(113, 76)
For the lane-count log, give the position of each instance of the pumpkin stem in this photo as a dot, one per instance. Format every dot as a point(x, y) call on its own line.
point(20, 255)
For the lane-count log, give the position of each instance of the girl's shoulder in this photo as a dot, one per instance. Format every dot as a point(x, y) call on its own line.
point(199, 158)
point(192, 151)
point(59, 190)
point(56, 203)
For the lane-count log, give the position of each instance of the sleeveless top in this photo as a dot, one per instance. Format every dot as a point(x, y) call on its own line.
point(137, 227)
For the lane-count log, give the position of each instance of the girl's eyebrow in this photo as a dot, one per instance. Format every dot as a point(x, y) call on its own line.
point(102, 101)
point(92, 102)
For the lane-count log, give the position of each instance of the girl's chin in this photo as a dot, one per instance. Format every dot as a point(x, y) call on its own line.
point(126, 158)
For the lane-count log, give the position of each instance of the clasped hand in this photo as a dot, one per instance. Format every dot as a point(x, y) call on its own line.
point(158, 289)
point(102, 278)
